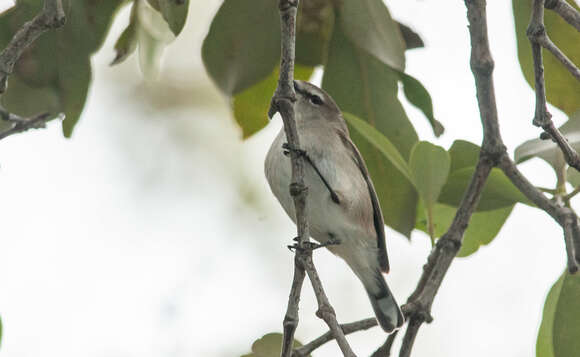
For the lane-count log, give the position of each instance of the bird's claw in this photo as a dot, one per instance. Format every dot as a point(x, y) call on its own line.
point(311, 246)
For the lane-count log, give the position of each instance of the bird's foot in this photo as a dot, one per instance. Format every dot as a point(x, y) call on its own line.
point(289, 148)
point(311, 246)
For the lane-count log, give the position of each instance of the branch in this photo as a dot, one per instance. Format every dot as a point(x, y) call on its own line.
point(346, 329)
point(385, 349)
point(20, 124)
point(565, 10)
point(538, 38)
point(283, 102)
point(52, 16)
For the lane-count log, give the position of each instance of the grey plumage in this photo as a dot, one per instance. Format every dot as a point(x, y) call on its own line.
point(356, 222)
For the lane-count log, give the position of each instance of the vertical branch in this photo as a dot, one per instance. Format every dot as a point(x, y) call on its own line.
point(283, 102)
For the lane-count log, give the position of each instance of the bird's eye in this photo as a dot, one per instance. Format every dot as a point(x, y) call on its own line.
point(314, 99)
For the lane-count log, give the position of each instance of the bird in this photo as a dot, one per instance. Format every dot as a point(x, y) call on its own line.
point(343, 210)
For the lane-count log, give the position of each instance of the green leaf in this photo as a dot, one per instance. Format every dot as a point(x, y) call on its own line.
point(368, 24)
point(175, 13)
point(269, 346)
point(483, 226)
point(242, 47)
point(367, 88)
point(463, 154)
point(389, 173)
point(379, 141)
point(429, 167)
point(313, 31)
point(55, 73)
point(0, 331)
point(127, 42)
point(417, 95)
point(498, 192)
point(559, 334)
point(251, 106)
point(562, 89)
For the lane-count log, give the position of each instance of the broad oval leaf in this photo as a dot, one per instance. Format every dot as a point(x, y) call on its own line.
point(367, 88)
point(251, 106)
point(389, 173)
point(269, 346)
point(314, 24)
point(368, 24)
point(242, 46)
point(483, 226)
point(559, 334)
point(498, 192)
point(463, 154)
point(429, 167)
point(562, 89)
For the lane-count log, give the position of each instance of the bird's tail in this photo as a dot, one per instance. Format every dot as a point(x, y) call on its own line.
point(386, 309)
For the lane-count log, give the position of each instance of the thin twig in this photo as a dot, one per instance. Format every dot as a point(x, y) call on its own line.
point(52, 16)
point(565, 10)
point(19, 124)
point(283, 102)
point(538, 38)
point(346, 329)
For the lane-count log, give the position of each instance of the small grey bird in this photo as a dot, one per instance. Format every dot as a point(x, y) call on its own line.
point(343, 209)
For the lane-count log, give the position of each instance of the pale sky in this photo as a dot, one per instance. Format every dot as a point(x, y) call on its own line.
point(152, 232)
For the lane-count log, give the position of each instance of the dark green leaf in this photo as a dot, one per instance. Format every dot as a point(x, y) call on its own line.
point(313, 30)
point(269, 346)
point(175, 13)
point(562, 89)
point(55, 73)
point(417, 95)
point(242, 46)
point(396, 193)
point(0, 331)
point(559, 334)
point(368, 24)
point(499, 192)
point(127, 42)
point(410, 37)
point(251, 106)
point(429, 167)
point(367, 88)
point(483, 226)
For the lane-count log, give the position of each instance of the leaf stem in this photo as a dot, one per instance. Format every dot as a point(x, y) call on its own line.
point(430, 226)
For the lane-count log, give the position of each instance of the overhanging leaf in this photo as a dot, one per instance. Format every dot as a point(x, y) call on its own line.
point(368, 24)
point(367, 88)
point(498, 192)
point(429, 167)
point(314, 24)
point(562, 89)
point(483, 226)
point(269, 346)
point(573, 176)
point(251, 106)
point(410, 37)
point(559, 334)
point(242, 47)
point(396, 193)
point(463, 154)
point(417, 95)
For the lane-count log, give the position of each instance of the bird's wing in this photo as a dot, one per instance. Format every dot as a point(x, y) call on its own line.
point(377, 214)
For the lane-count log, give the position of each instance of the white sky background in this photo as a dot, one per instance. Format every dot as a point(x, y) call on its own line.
point(152, 232)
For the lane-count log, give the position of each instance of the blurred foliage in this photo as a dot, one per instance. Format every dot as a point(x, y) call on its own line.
point(269, 346)
point(562, 89)
point(559, 334)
